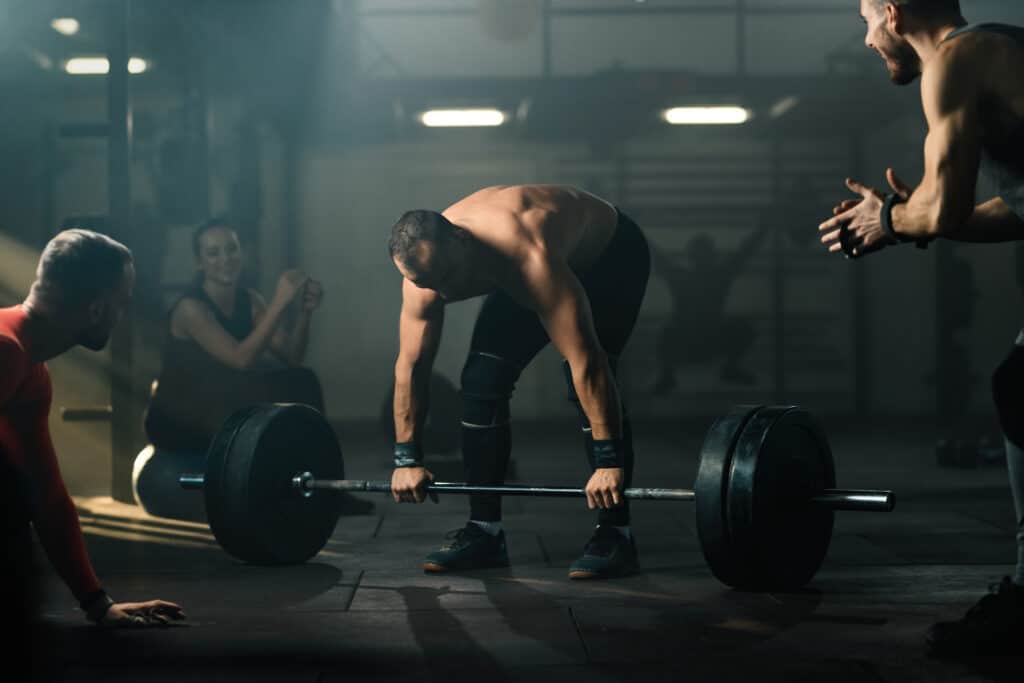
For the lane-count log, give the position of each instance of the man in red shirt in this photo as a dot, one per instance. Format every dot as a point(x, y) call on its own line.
point(83, 284)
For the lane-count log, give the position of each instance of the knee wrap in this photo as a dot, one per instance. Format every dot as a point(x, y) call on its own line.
point(487, 385)
point(1008, 394)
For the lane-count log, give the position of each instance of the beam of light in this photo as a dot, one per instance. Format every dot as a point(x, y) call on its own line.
point(783, 106)
point(462, 118)
point(66, 26)
point(707, 116)
point(17, 268)
point(98, 66)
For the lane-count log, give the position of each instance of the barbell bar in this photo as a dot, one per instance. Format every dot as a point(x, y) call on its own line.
point(765, 493)
point(858, 500)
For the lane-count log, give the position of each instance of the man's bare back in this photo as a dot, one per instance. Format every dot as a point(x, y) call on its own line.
point(514, 219)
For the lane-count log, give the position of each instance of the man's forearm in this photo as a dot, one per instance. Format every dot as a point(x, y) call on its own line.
point(917, 218)
point(599, 398)
point(933, 211)
point(412, 394)
point(60, 534)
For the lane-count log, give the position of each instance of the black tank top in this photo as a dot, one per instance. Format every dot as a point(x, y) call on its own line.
point(189, 375)
point(238, 324)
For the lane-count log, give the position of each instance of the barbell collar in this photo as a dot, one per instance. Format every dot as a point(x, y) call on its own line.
point(856, 500)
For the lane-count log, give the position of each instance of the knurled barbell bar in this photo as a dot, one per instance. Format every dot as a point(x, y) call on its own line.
point(765, 491)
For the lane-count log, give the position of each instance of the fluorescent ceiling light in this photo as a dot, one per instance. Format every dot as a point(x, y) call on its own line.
point(82, 66)
point(707, 116)
point(65, 26)
point(462, 118)
point(91, 66)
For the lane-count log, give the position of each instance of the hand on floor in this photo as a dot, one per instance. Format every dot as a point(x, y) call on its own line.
point(142, 614)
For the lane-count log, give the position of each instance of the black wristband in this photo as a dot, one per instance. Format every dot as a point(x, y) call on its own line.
point(95, 605)
point(408, 454)
point(607, 453)
point(892, 200)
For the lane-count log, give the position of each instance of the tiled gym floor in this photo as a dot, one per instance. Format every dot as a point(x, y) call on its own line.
point(362, 610)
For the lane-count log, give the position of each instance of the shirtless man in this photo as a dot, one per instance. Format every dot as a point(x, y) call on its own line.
point(83, 284)
point(972, 89)
point(556, 264)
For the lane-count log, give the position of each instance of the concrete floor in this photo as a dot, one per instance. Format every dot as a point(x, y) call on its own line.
point(363, 610)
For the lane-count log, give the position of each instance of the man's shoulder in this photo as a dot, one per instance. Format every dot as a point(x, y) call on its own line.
point(30, 381)
point(980, 47)
point(959, 73)
point(11, 350)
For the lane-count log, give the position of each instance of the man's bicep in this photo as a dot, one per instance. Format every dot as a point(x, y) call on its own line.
point(952, 161)
point(952, 155)
point(420, 322)
point(40, 457)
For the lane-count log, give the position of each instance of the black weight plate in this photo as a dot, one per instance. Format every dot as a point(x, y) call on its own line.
point(254, 512)
point(711, 490)
point(213, 484)
point(780, 537)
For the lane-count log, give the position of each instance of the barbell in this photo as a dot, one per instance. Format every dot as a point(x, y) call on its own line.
point(765, 491)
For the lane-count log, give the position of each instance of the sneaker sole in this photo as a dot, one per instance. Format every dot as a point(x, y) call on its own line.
point(584, 575)
point(435, 568)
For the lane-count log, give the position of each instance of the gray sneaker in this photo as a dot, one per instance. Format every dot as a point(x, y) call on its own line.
point(468, 548)
point(608, 554)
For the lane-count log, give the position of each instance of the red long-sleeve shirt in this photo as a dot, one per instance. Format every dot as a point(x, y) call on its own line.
point(25, 397)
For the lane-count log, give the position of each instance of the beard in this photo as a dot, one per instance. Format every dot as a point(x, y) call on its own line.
point(902, 61)
point(94, 340)
point(96, 337)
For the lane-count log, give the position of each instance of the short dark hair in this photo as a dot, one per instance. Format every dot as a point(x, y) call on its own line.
point(203, 228)
point(77, 266)
point(415, 227)
point(943, 7)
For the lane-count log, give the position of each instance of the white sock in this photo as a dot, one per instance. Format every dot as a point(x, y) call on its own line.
point(493, 528)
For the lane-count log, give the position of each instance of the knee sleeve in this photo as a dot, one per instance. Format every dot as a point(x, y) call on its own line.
point(487, 384)
point(1008, 394)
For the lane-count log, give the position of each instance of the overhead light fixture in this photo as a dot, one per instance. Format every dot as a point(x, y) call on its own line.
point(97, 66)
point(462, 118)
point(707, 116)
point(66, 26)
point(87, 66)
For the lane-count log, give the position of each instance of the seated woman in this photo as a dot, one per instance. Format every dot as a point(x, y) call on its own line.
point(228, 348)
